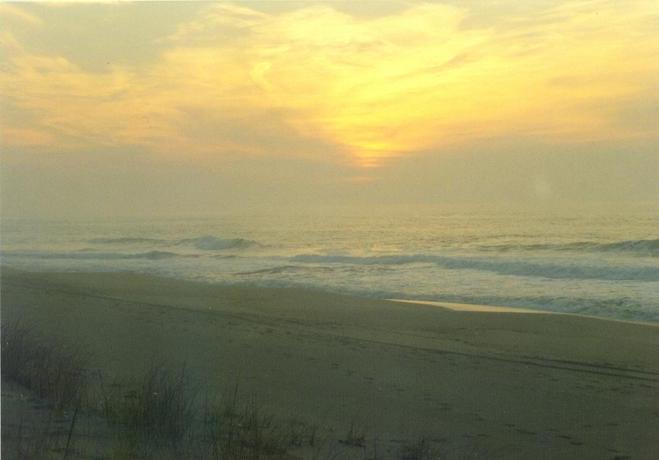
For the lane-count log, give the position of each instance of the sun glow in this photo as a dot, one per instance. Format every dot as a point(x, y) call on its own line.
point(374, 88)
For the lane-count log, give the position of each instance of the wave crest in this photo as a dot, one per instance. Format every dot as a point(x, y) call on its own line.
point(213, 243)
point(550, 270)
point(126, 240)
point(650, 246)
point(285, 269)
point(645, 247)
point(84, 255)
point(204, 243)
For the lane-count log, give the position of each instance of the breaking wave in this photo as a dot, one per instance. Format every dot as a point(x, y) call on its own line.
point(286, 269)
point(504, 267)
point(204, 243)
point(149, 255)
point(633, 245)
point(645, 247)
point(126, 240)
point(213, 243)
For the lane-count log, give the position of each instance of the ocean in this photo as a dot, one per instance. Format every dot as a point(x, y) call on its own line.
point(598, 263)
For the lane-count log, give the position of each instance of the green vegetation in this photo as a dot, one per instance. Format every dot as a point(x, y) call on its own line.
point(53, 371)
point(158, 416)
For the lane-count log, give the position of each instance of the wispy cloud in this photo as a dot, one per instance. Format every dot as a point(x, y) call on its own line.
point(374, 88)
point(9, 12)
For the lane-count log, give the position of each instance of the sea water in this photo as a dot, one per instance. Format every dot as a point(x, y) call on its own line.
point(602, 263)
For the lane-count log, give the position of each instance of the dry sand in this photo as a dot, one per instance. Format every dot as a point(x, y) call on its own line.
point(491, 385)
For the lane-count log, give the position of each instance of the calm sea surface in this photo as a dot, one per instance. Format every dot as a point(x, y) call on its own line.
point(596, 263)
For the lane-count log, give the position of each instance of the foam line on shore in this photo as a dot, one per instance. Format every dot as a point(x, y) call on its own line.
point(472, 307)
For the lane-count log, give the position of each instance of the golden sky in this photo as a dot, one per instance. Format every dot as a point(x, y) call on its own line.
point(377, 92)
point(232, 77)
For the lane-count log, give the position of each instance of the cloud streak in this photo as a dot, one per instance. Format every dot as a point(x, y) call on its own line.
point(319, 82)
point(12, 13)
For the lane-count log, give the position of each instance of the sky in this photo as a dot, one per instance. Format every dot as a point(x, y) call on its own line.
point(185, 108)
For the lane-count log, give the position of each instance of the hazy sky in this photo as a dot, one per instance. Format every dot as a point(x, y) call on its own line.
point(198, 108)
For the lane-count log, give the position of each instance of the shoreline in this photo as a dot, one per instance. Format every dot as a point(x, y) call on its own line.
point(531, 384)
point(478, 308)
point(472, 307)
point(454, 306)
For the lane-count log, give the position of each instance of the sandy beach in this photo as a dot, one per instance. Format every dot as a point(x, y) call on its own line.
point(481, 384)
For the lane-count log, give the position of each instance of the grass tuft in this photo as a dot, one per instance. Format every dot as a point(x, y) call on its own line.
point(55, 372)
point(158, 416)
point(237, 431)
point(158, 410)
point(355, 437)
point(421, 449)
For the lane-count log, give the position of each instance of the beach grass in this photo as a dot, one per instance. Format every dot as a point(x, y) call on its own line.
point(186, 370)
point(158, 415)
point(157, 410)
point(53, 371)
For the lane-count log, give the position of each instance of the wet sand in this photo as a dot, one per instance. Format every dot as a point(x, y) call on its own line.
point(484, 384)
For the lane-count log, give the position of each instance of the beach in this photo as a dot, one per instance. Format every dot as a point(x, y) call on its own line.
point(329, 230)
point(487, 384)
